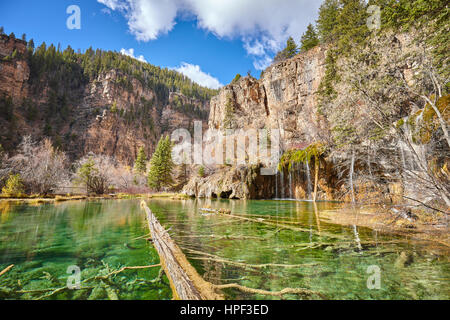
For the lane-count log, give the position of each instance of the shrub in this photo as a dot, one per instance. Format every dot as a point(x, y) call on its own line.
point(14, 186)
point(201, 171)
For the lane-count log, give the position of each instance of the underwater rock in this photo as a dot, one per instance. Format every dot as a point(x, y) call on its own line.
point(404, 260)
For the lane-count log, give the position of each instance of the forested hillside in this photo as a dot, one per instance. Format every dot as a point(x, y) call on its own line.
point(65, 95)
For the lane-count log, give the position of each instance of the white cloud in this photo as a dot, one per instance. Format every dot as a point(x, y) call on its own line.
point(195, 73)
point(148, 19)
point(256, 48)
point(130, 53)
point(113, 4)
point(263, 26)
point(262, 63)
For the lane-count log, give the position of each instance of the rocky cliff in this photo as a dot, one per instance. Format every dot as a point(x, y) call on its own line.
point(101, 115)
point(14, 73)
point(284, 98)
point(382, 142)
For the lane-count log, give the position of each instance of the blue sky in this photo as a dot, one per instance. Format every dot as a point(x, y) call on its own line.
point(208, 40)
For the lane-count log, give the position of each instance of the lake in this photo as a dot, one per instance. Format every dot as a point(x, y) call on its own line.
point(267, 245)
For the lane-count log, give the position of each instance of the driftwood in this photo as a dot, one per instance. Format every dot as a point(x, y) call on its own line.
point(297, 291)
point(211, 257)
point(112, 294)
point(184, 280)
point(6, 270)
point(284, 225)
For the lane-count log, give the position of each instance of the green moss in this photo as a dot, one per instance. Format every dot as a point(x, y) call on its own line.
point(315, 150)
point(400, 123)
point(423, 130)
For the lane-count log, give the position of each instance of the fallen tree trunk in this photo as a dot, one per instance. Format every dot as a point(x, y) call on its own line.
point(6, 270)
point(184, 280)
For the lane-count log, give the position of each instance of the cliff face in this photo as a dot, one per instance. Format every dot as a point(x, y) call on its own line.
point(101, 116)
point(285, 98)
point(364, 155)
point(14, 73)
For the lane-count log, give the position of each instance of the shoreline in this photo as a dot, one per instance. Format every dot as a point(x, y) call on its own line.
point(61, 198)
point(426, 228)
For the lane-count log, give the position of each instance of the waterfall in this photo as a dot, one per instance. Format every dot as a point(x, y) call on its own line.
point(290, 185)
point(282, 183)
point(299, 177)
point(308, 177)
point(402, 154)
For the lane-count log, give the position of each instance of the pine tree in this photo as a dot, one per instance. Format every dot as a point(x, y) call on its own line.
point(2, 30)
point(141, 162)
point(352, 27)
point(31, 45)
point(327, 21)
point(161, 165)
point(291, 48)
point(309, 39)
point(288, 52)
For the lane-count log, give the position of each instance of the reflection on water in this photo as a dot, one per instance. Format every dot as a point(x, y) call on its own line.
point(281, 244)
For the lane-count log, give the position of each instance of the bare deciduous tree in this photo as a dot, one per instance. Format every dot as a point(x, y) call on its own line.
point(394, 99)
point(41, 166)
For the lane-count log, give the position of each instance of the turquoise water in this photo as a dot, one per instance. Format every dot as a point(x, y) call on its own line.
point(43, 241)
point(298, 248)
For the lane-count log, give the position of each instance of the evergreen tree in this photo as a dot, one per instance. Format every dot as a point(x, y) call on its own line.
point(309, 39)
point(351, 24)
point(2, 30)
point(201, 172)
point(327, 21)
point(291, 48)
point(141, 162)
point(31, 46)
point(24, 37)
point(288, 52)
point(161, 165)
point(237, 78)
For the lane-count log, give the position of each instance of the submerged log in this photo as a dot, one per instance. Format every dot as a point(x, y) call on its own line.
point(184, 280)
point(6, 270)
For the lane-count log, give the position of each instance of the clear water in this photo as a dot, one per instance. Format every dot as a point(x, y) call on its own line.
point(43, 241)
point(320, 256)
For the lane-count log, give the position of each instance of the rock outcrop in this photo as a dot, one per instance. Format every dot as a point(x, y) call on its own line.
point(14, 73)
point(284, 98)
point(243, 182)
